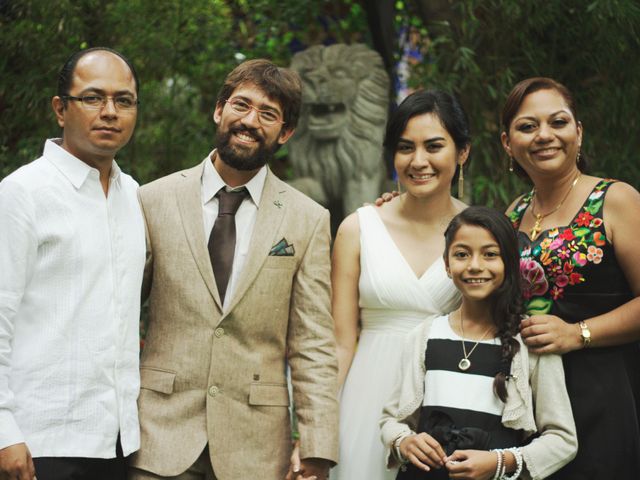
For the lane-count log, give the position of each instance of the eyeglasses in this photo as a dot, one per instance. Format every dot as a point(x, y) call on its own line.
point(97, 102)
point(242, 108)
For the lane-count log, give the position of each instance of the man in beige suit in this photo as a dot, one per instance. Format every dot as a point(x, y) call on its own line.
point(214, 398)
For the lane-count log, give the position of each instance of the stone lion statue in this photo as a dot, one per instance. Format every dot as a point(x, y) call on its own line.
point(336, 152)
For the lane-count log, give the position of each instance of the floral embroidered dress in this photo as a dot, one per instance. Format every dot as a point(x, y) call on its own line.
point(572, 272)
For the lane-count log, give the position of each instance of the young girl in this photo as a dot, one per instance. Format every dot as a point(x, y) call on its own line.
point(470, 401)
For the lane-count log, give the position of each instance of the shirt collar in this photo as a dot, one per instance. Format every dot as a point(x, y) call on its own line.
point(72, 167)
point(212, 182)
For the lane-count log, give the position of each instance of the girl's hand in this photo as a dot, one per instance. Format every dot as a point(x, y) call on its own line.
point(472, 464)
point(423, 451)
point(550, 334)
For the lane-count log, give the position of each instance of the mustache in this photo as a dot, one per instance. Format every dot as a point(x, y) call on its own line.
point(250, 131)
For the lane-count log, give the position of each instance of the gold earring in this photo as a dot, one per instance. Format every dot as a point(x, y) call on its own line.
point(398, 185)
point(578, 157)
point(461, 182)
point(511, 164)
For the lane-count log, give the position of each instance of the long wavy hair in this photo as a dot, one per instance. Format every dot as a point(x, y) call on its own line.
point(507, 304)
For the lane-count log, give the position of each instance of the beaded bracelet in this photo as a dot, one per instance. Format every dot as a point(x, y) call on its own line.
point(498, 464)
point(517, 454)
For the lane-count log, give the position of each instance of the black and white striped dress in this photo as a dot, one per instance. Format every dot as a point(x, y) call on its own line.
point(460, 408)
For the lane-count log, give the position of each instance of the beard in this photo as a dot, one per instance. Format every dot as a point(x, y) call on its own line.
point(239, 158)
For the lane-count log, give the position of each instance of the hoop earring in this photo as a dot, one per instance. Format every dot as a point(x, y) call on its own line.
point(578, 157)
point(461, 182)
point(511, 164)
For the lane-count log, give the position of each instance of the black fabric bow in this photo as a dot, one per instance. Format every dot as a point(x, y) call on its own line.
point(441, 427)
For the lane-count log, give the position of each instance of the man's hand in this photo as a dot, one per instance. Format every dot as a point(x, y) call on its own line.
point(16, 463)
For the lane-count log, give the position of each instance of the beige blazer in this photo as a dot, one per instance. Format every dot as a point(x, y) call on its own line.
point(219, 379)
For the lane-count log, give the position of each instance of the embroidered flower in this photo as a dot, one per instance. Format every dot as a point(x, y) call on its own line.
point(584, 219)
point(564, 252)
point(556, 292)
point(594, 254)
point(534, 280)
point(580, 259)
point(553, 232)
point(544, 244)
point(567, 234)
point(599, 239)
point(562, 280)
point(568, 267)
point(596, 222)
point(575, 278)
point(546, 257)
point(556, 243)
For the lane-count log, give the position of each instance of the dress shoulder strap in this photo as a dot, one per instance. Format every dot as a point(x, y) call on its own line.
point(518, 211)
point(594, 203)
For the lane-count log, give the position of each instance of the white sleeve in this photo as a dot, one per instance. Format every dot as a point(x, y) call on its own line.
point(18, 248)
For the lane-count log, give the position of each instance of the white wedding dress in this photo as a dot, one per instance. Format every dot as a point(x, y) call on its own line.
point(393, 300)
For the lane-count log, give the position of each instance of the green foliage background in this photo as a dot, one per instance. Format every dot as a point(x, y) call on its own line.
point(184, 48)
point(480, 48)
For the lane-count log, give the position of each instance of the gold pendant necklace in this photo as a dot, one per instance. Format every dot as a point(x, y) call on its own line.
point(464, 364)
point(540, 216)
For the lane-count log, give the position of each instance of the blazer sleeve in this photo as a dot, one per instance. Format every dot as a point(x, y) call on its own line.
point(312, 349)
point(557, 443)
point(148, 265)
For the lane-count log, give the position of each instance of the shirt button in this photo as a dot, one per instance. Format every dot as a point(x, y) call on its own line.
point(218, 332)
point(213, 391)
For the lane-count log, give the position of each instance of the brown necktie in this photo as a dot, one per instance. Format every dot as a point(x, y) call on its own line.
point(222, 241)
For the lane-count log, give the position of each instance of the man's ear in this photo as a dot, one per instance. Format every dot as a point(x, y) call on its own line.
point(217, 113)
point(58, 108)
point(285, 135)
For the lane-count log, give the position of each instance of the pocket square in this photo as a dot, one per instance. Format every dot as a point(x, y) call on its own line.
point(282, 249)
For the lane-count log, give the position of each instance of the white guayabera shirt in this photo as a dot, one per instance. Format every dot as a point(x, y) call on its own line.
point(71, 265)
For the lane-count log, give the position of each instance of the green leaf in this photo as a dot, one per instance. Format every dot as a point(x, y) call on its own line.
point(539, 306)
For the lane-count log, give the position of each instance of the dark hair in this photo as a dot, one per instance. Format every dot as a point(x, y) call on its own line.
point(508, 307)
point(516, 97)
point(443, 105)
point(65, 76)
point(280, 84)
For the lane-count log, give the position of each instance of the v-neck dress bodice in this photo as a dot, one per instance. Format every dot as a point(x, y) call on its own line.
point(393, 301)
point(572, 272)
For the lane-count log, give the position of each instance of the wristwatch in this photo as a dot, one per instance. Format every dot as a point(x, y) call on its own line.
point(585, 334)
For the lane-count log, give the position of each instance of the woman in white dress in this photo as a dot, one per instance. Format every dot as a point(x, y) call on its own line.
point(388, 273)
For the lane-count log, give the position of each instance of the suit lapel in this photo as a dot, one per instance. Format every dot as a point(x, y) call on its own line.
point(270, 214)
point(189, 197)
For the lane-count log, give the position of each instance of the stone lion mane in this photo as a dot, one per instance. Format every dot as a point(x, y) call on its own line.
point(336, 152)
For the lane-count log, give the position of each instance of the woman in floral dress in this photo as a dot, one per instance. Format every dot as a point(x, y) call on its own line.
point(581, 265)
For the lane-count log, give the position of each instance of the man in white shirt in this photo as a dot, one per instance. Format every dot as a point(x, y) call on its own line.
point(71, 262)
point(238, 283)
